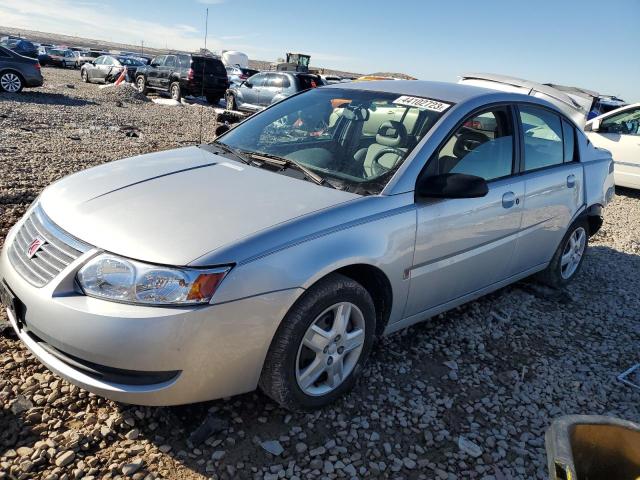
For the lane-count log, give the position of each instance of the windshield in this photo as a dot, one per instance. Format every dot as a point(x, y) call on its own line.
point(130, 61)
point(56, 52)
point(354, 139)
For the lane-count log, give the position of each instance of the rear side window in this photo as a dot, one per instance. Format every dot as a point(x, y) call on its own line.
point(542, 131)
point(184, 60)
point(569, 140)
point(274, 80)
point(170, 61)
point(308, 81)
point(211, 66)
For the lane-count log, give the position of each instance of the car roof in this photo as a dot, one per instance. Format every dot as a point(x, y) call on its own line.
point(452, 92)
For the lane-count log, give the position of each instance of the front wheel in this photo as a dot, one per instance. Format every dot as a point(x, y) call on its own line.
point(11, 82)
point(141, 85)
point(321, 345)
point(568, 258)
point(175, 91)
point(85, 76)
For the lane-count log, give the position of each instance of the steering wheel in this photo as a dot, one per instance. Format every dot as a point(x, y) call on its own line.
point(375, 162)
point(467, 141)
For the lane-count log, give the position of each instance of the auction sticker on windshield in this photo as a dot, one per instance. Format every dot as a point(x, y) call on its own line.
point(420, 102)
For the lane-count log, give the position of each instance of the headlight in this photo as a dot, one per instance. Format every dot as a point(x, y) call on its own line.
point(123, 280)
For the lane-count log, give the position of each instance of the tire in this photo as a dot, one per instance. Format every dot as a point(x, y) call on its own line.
point(11, 82)
point(338, 357)
point(84, 75)
point(231, 101)
point(213, 99)
point(567, 260)
point(141, 85)
point(175, 91)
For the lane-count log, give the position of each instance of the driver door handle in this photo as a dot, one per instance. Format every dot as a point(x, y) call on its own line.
point(508, 199)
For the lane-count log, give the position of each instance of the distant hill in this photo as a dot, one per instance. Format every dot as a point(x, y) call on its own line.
point(72, 41)
point(402, 76)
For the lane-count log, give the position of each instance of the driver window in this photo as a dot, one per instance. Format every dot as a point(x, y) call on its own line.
point(482, 146)
point(624, 123)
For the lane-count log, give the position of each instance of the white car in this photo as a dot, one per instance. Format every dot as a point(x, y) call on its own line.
point(619, 132)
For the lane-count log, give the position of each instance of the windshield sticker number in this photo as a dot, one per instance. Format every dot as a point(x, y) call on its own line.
point(420, 102)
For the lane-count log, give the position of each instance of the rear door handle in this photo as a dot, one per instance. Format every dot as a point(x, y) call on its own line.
point(508, 199)
point(571, 181)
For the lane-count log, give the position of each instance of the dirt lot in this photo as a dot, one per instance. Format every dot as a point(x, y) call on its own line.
point(494, 372)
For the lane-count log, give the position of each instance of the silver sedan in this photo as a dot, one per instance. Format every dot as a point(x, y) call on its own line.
point(276, 255)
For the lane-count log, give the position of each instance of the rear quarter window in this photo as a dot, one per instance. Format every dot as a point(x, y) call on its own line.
point(306, 82)
point(211, 66)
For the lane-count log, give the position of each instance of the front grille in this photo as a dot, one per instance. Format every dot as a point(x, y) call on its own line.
point(56, 253)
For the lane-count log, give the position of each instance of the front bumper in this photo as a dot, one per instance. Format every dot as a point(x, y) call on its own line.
point(211, 352)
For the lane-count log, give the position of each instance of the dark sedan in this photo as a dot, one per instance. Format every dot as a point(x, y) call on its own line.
point(18, 72)
point(107, 68)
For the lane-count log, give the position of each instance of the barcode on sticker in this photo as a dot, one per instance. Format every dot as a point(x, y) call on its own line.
point(420, 102)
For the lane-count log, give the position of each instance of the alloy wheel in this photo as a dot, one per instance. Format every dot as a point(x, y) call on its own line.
point(573, 252)
point(174, 92)
point(330, 349)
point(140, 84)
point(230, 102)
point(10, 82)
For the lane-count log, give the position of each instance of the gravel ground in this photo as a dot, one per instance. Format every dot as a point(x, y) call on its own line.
point(468, 394)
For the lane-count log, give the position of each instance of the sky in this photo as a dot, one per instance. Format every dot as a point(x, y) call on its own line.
point(590, 44)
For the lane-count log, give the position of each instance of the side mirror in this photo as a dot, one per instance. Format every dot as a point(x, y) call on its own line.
point(248, 84)
point(595, 125)
point(154, 64)
point(451, 185)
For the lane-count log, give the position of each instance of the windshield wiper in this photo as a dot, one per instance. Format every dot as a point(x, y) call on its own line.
point(287, 162)
point(233, 151)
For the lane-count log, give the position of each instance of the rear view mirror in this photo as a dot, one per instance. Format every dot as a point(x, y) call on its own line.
point(451, 185)
point(359, 114)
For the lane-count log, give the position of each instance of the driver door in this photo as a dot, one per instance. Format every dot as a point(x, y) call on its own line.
point(464, 245)
point(620, 134)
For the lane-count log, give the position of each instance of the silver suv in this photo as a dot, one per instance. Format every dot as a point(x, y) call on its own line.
point(263, 89)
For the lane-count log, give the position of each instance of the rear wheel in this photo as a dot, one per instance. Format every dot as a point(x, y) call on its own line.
point(175, 92)
point(231, 101)
point(321, 345)
point(141, 85)
point(11, 82)
point(567, 260)
point(85, 76)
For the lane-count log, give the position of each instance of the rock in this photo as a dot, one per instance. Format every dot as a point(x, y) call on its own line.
point(217, 455)
point(65, 458)
point(469, 447)
point(21, 404)
point(273, 447)
point(133, 434)
point(130, 468)
point(301, 447)
point(210, 425)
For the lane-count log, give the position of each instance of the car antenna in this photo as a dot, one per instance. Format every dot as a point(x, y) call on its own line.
point(206, 32)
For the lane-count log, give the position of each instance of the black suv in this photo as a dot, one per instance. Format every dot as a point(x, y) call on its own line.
point(182, 74)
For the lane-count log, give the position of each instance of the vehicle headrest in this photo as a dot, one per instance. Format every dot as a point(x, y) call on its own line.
point(391, 134)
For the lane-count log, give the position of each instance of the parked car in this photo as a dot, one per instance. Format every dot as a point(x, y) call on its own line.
point(184, 74)
point(331, 79)
point(265, 88)
point(18, 72)
point(238, 74)
point(277, 254)
point(87, 56)
point(20, 46)
point(619, 132)
point(107, 68)
point(43, 56)
point(62, 58)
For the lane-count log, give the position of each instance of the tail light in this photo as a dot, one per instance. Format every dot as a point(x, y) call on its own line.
point(37, 65)
point(190, 74)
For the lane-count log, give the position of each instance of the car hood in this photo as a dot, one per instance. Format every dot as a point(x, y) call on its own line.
point(174, 206)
